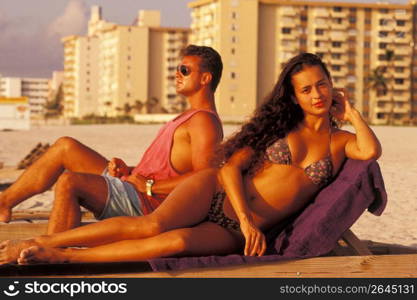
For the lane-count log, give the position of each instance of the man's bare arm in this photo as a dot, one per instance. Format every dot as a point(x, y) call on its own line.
point(205, 133)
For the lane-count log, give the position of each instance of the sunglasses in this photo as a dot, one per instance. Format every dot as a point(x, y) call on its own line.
point(184, 70)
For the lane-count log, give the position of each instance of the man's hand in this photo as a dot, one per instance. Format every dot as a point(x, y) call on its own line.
point(138, 181)
point(117, 168)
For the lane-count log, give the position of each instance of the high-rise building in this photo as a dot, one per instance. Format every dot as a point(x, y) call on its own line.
point(80, 75)
point(117, 68)
point(356, 40)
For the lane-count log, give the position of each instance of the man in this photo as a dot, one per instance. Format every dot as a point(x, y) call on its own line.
point(111, 188)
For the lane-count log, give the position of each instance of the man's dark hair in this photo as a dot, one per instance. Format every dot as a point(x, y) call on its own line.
point(211, 61)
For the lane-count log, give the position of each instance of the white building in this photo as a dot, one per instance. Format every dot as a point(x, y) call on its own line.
point(35, 89)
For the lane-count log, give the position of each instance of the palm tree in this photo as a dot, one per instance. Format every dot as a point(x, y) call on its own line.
point(54, 106)
point(380, 80)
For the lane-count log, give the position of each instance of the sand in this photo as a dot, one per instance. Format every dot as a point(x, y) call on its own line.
point(397, 225)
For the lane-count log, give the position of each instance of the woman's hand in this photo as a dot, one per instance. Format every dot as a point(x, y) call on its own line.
point(341, 108)
point(255, 243)
point(117, 168)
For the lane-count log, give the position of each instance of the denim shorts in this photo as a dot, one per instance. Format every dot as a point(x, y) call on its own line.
point(122, 199)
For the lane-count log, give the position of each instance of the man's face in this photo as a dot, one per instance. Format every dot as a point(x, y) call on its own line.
point(188, 76)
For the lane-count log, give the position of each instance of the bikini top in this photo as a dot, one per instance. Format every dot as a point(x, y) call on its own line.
point(319, 172)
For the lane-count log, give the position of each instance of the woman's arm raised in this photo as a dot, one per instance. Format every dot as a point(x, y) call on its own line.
point(232, 180)
point(364, 144)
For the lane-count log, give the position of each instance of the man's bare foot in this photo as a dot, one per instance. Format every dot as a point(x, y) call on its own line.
point(39, 254)
point(5, 212)
point(10, 250)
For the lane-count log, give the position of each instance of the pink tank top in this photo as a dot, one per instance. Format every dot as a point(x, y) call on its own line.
point(156, 162)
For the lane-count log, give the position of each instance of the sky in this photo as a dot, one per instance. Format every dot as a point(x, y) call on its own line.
point(30, 30)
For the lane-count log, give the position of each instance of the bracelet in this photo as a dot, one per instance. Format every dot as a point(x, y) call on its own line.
point(149, 184)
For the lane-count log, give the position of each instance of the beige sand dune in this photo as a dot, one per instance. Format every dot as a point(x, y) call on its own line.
point(397, 225)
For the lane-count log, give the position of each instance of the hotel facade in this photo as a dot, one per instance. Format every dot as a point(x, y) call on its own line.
point(256, 37)
point(34, 90)
point(117, 68)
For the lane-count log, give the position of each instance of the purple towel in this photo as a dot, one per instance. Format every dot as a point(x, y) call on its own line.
point(316, 230)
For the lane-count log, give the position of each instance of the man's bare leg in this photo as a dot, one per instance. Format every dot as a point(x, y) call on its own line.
point(204, 239)
point(72, 191)
point(66, 153)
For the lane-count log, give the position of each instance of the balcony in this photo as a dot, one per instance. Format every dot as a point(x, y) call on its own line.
point(321, 12)
point(403, 16)
point(404, 74)
point(342, 26)
point(383, 109)
point(405, 109)
point(402, 63)
point(322, 24)
point(339, 14)
point(404, 97)
point(338, 36)
point(288, 11)
point(401, 87)
point(342, 49)
point(402, 37)
point(341, 73)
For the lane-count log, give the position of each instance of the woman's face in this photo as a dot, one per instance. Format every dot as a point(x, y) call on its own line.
point(312, 90)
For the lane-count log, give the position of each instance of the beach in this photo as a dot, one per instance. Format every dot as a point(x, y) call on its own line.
point(397, 225)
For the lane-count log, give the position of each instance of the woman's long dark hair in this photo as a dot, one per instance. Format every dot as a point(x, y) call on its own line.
point(275, 118)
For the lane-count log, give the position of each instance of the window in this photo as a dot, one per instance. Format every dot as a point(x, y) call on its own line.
point(232, 51)
point(380, 115)
point(352, 20)
point(319, 31)
point(233, 75)
point(317, 43)
point(337, 9)
point(337, 20)
point(400, 23)
point(399, 81)
point(383, 33)
point(383, 45)
point(234, 39)
point(286, 30)
point(336, 55)
point(336, 44)
point(367, 44)
point(336, 68)
point(383, 11)
point(232, 99)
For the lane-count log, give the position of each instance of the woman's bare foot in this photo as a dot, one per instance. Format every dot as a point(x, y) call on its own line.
point(10, 250)
point(39, 254)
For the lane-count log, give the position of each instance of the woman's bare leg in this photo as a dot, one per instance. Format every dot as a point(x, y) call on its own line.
point(204, 239)
point(186, 206)
point(66, 153)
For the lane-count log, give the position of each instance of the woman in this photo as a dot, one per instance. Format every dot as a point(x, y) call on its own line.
point(272, 167)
